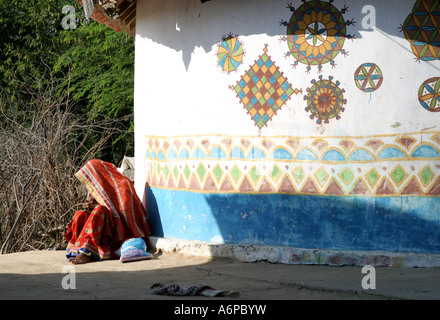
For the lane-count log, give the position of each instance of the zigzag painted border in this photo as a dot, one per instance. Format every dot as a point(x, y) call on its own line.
point(387, 165)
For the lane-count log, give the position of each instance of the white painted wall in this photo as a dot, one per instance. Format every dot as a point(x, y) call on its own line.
point(180, 90)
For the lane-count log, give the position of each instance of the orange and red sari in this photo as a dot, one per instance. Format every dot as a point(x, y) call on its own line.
point(119, 216)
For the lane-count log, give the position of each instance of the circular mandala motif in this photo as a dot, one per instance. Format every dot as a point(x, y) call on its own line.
point(368, 77)
point(230, 54)
point(325, 100)
point(421, 29)
point(429, 94)
point(316, 33)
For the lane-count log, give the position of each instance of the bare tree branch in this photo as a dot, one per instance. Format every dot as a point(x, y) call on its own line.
point(43, 143)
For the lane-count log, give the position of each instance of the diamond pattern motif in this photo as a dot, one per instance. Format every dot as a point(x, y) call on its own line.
point(398, 175)
point(347, 176)
point(263, 90)
point(426, 175)
point(372, 177)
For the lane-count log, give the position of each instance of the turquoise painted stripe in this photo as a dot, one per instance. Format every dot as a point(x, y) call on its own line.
point(401, 224)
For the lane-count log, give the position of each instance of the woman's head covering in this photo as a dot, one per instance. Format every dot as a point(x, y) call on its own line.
point(115, 191)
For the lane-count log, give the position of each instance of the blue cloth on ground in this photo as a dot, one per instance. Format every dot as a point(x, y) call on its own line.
point(134, 249)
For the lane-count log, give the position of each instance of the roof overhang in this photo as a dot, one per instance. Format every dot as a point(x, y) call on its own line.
point(120, 15)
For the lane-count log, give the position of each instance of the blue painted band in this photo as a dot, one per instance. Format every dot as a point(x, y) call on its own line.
point(401, 224)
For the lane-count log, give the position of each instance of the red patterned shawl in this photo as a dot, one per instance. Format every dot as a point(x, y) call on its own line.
point(115, 191)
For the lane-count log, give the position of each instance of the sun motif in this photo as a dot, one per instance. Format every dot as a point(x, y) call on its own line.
point(325, 100)
point(316, 33)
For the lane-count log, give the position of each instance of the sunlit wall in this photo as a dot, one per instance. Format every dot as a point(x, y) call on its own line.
point(312, 125)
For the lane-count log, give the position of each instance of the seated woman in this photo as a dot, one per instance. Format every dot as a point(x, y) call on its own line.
point(112, 214)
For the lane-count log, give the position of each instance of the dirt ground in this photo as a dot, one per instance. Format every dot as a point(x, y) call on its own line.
point(47, 275)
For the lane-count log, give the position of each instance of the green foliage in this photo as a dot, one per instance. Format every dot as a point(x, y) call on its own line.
point(28, 39)
point(101, 63)
point(93, 65)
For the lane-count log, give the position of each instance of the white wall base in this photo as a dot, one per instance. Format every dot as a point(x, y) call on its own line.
point(289, 255)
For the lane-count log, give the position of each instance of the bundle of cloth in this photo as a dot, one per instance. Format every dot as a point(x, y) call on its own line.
point(175, 289)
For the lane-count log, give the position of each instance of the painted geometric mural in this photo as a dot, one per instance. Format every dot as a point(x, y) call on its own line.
point(325, 100)
point(368, 77)
point(230, 53)
point(387, 165)
point(421, 28)
point(316, 33)
point(263, 90)
point(429, 94)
